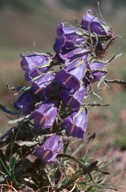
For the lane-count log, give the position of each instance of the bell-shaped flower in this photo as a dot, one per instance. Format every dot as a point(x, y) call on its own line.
point(74, 54)
point(95, 72)
point(95, 25)
point(45, 115)
point(40, 85)
point(97, 65)
point(26, 102)
point(68, 37)
point(71, 76)
point(49, 150)
point(76, 124)
point(74, 100)
point(35, 64)
point(70, 42)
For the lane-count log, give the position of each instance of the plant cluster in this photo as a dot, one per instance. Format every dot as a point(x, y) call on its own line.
point(53, 108)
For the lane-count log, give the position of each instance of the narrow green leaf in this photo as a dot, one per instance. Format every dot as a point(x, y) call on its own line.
point(6, 110)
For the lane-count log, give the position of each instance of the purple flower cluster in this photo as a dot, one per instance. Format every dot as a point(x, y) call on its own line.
point(60, 83)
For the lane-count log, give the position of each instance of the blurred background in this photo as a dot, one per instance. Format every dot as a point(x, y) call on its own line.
point(30, 26)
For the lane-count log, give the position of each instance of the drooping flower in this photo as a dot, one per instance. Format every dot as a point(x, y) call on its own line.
point(70, 55)
point(74, 100)
point(76, 124)
point(48, 151)
point(26, 102)
point(35, 64)
point(95, 72)
point(93, 24)
point(70, 42)
point(68, 37)
point(45, 115)
point(41, 84)
point(71, 76)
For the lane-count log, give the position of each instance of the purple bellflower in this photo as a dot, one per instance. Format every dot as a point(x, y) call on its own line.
point(71, 76)
point(48, 151)
point(35, 64)
point(26, 102)
point(45, 115)
point(70, 42)
point(74, 100)
point(68, 37)
point(76, 124)
point(96, 71)
point(74, 54)
point(96, 26)
point(40, 85)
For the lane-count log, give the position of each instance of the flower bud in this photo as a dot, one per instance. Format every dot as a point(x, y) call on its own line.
point(96, 26)
point(26, 102)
